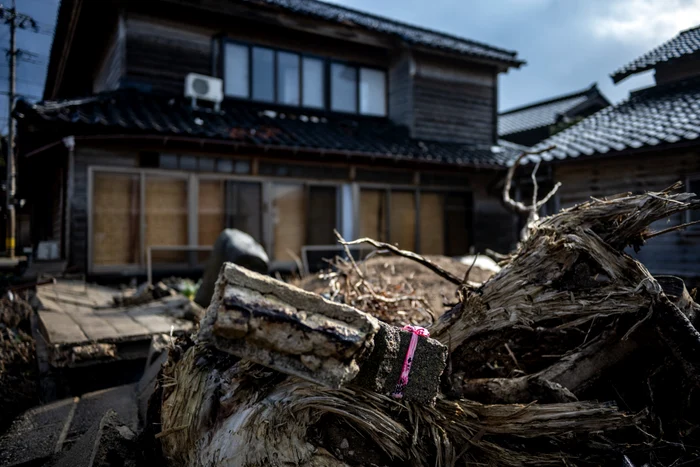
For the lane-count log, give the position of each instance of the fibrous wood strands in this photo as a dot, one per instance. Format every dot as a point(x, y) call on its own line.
point(571, 355)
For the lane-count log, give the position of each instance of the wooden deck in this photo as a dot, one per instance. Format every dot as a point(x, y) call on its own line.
point(73, 314)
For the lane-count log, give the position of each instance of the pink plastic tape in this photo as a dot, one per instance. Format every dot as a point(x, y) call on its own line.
point(416, 332)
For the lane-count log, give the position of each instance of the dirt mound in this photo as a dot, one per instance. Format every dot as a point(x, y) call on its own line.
point(396, 290)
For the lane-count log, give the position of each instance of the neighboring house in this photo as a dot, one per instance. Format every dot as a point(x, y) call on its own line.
point(331, 118)
point(530, 124)
point(647, 142)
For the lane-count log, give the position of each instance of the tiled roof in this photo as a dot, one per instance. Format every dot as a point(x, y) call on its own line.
point(685, 43)
point(656, 116)
point(544, 113)
point(406, 32)
point(137, 113)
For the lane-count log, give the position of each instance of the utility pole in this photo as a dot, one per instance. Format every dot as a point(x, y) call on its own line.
point(12, 18)
point(10, 163)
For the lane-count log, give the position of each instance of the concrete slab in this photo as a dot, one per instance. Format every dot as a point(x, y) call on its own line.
point(37, 434)
point(94, 327)
point(120, 320)
point(60, 328)
point(160, 324)
point(72, 313)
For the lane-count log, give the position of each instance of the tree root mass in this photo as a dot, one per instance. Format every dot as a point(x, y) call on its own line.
point(572, 354)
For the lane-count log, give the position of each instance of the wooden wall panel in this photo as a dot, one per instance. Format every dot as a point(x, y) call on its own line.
point(322, 215)
point(401, 91)
point(402, 219)
point(166, 216)
point(113, 65)
point(674, 253)
point(212, 212)
point(432, 223)
point(290, 221)
point(86, 156)
point(115, 220)
point(162, 55)
point(453, 112)
point(373, 214)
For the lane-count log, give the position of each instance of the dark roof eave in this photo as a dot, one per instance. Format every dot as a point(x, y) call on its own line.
point(297, 150)
point(502, 65)
point(625, 152)
point(590, 89)
point(316, 14)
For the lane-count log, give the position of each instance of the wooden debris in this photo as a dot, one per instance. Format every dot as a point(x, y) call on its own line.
point(573, 354)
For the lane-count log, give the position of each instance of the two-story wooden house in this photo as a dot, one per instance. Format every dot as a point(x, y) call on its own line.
point(331, 118)
point(645, 143)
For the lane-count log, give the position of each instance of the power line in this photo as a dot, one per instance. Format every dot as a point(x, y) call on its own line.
point(20, 94)
point(24, 81)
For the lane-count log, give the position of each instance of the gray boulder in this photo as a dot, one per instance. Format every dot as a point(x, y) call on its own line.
point(235, 247)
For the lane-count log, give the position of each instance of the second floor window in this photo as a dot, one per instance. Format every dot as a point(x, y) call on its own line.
point(267, 75)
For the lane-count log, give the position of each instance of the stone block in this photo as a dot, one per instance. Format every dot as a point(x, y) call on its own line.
point(381, 370)
point(231, 246)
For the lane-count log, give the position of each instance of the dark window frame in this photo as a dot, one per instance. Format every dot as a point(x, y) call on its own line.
point(326, 76)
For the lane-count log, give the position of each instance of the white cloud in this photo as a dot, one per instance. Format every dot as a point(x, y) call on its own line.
point(648, 22)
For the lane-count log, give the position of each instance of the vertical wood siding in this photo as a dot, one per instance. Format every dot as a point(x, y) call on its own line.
point(160, 56)
point(113, 65)
point(454, 103)
point(401, 91)
point(675, 253)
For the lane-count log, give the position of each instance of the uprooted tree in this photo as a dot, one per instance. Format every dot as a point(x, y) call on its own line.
point(573, 354)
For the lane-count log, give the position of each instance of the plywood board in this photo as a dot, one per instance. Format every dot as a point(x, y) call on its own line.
point(373, 214)
point(211, 211)
point(115, 219)
point(166, 216)
point(432, 224)
point(402, 215)
point(290, 221)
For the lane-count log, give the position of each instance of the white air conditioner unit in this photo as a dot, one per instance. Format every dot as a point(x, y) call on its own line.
point(206, 88)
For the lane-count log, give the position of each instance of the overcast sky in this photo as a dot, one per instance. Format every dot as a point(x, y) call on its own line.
point(568, 44)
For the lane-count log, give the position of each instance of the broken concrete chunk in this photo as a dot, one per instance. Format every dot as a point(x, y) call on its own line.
point(381, 370)
point(286, 328)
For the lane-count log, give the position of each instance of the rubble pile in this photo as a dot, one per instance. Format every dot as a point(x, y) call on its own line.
point(393, 289)
point(145, 293)
point(18, 372)
point(161, 294)
point(572, 354)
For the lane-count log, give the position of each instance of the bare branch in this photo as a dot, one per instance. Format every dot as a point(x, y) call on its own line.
point(670, 229)
point(544, 200)
point(469, 271)
point(535, 186)
point(510, 202)
point(406, 254)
